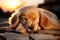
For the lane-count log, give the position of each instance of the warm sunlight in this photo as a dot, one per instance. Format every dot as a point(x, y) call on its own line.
point(13, 3)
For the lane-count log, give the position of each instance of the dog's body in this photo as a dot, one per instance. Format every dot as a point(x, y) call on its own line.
point(32, 19)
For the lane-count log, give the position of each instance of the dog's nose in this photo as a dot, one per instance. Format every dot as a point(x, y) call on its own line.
point(31, 27)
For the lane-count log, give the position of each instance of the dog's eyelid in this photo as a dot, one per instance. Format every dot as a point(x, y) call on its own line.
point(26, 19)
point(23, 16)
point(34, 18)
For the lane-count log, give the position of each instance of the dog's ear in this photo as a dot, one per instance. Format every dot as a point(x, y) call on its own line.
point(48, 20)
point(13, 20)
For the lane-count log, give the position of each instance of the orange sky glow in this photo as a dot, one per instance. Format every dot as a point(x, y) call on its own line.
point(11, 5)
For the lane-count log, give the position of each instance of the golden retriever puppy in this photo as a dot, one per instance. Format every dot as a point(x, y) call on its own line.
point(29, 18)
point(32, 17)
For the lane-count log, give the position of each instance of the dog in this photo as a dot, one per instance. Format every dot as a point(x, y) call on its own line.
point(30, 19)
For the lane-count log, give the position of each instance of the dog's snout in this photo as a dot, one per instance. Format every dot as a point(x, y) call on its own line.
point(31, 27)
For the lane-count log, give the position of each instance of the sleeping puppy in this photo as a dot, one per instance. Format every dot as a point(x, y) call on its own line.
point(31, 16)
point(30, 19)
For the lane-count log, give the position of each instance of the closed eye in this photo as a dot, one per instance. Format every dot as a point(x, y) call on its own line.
point(34, 18)
point(26, 19)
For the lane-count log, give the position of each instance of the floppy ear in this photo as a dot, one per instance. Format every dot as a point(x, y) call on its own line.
point(13, 20)
point(48, 20)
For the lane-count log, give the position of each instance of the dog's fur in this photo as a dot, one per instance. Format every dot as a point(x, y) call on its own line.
point(32, 19)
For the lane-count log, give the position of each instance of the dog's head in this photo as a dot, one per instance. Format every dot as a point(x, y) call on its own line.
point(29, 16)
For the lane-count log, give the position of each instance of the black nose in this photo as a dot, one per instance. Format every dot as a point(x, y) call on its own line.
point(31, 27)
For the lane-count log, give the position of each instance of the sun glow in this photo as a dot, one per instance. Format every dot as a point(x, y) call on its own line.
point(13, 3)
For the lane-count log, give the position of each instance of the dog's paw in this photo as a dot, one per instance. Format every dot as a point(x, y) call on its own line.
point(21, 29)
point(37, 28)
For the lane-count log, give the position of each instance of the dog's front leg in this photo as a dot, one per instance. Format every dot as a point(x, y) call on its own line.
point(21, 29)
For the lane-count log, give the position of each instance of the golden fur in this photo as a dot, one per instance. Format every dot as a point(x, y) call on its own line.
point(35, 18)
point(32, 16)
